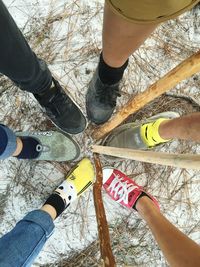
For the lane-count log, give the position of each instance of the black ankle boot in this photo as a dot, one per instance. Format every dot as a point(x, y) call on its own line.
point(101, 100)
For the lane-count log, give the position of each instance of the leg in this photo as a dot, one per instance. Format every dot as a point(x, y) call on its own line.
point(23, 243)
point(166, 129)
point(9, 143)
point(120, 39)
point(31, 74)
point(26, 239)
point(186, 128)
point(18, 61)
point(178, 249)
point(158, 129)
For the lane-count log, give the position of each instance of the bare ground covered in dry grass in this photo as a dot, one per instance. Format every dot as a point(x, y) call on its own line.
point(68, 37)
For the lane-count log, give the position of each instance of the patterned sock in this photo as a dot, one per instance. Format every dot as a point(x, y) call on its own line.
point(29, 150)
point(62, 197)
point(150, 133)
point(57, 202)
point(109, 75)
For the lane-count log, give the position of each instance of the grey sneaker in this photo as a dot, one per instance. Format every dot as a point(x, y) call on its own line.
point(54, 146)
point(101, 100)
point(128, 135)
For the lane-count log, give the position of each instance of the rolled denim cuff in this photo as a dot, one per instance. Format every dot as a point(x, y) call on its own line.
point(41, 218)
point(11, 142)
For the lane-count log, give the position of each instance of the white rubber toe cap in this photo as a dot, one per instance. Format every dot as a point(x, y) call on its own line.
point(107, 172)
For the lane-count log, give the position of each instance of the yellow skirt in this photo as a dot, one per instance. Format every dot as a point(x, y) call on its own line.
point(150, 11)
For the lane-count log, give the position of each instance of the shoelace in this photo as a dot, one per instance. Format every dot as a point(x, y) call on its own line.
point(55, 103)
point(108, 95)
point(43, 133)
point(121, 188)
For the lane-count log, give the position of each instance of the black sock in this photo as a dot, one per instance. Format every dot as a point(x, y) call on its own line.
point(57, 202)
point(29, 148)
point(109, 75)
point(143, 194)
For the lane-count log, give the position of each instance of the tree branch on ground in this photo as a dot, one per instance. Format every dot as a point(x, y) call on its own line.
point(104, 236)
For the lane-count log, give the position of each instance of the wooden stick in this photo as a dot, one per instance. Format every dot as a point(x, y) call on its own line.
point(183, 71)
point(104, 236)
point(187, 161)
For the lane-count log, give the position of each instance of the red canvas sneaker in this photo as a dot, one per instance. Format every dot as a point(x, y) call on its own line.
point(122, 189)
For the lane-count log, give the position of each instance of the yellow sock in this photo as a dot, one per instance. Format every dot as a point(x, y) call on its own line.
point(150, 135)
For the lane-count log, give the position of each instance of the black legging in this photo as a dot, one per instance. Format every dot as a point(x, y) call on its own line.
point(17, 60)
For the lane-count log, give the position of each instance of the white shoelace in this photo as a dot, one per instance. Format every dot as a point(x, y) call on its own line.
point(121, 188)
point(43, 133)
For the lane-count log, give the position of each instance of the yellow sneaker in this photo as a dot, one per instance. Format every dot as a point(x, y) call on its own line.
point(79, 179)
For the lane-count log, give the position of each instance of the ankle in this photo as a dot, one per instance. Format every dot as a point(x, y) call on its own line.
point(145, 207)
point(18, 148)
point(50, 210)
point(113, 62)
point(28, 148)
point(150, 133)
point(164, 130)
point(108, 74)
point(55, 204)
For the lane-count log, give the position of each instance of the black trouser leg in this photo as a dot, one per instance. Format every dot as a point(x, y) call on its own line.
point(17, 60)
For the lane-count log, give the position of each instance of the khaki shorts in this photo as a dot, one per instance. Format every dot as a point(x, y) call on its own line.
point(150, 11)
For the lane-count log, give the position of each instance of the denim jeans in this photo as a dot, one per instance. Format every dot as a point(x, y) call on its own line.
point(22, 244)
point(17, 61)
point(8, 143)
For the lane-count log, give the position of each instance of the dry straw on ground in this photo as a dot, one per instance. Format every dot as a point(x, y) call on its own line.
point(68, 38)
